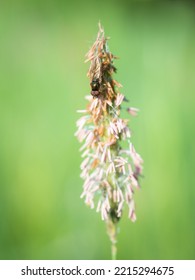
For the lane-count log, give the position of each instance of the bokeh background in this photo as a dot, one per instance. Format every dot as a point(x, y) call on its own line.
point(42, 84)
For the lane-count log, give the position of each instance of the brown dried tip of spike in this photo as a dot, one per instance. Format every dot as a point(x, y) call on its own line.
point(90, 55)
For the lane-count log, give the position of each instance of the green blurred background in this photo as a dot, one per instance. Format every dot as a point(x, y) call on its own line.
point(43, 82)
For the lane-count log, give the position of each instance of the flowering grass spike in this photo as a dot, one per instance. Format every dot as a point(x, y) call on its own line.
point(110, 171)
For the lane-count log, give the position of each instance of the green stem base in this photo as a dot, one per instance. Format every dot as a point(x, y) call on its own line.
point(112, 233)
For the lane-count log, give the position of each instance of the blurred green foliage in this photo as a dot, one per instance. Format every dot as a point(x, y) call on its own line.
point(42, 84)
